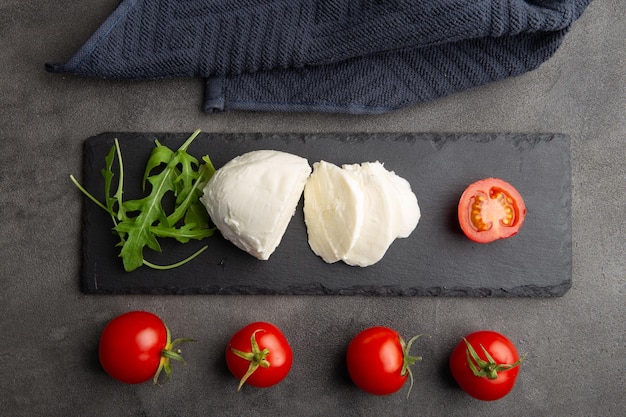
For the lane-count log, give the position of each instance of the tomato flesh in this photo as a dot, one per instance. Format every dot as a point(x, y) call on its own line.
point(491, 209)
point(501, 349)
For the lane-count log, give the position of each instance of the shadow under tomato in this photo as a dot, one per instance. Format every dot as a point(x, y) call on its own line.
point(452, 218)
point(219, 362)
point(446, 376)
point(92, 361)
point(341, 369)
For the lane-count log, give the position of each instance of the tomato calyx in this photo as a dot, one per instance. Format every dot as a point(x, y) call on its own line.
point(167, 354)
point(257, 358)
point(409, 360)
point(486, 368)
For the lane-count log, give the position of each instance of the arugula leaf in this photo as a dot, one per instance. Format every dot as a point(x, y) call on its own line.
point(139, 222)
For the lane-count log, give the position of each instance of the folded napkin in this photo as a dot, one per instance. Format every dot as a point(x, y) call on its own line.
point(349, 56)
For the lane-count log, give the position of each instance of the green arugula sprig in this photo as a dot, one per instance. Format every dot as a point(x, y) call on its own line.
point(139, 223)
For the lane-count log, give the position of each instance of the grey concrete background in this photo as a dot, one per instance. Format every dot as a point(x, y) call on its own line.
point(49, 329)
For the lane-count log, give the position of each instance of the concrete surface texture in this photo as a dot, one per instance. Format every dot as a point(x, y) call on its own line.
point(50, 329)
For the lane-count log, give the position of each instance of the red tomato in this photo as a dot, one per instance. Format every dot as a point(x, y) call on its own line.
point(259, 354)
point(136, 347)
point(485, 364)
point(491, 209)
point(379, 362)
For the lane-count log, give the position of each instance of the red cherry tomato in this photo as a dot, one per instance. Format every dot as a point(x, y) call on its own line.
point(491, 209)
point(135, 347)
point(378, 360)
point(259, 355)
point(485, 364)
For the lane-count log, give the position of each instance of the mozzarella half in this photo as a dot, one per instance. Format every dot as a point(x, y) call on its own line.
point(252, 198)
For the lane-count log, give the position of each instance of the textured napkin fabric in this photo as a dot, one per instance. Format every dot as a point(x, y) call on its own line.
point(349, 56)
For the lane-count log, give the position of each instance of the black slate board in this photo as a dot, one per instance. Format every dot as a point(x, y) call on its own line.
point(436, 260)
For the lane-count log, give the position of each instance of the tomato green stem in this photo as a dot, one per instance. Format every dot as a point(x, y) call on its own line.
point(409, 360)
point(257, 358)
point(486, 368)
point(169, 353)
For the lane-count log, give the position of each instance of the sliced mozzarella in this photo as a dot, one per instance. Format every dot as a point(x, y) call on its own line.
point(252, 198)
point(333, 211)
point(377, 230)
point(406, 207)
point(354, 213)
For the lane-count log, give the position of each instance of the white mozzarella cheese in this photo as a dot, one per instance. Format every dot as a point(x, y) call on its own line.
point(333, 211)
point(354, 213)
point(253, 197)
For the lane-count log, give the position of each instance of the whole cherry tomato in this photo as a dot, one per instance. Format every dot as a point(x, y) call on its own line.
point(491, 209)
point(485, 364)
point(135, 347)
point(259, 355)
point(378, 360)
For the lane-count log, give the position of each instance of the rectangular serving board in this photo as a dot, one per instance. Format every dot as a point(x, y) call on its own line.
point(436, 260)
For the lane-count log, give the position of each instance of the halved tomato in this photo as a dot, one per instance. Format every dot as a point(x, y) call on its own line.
point(491, 209)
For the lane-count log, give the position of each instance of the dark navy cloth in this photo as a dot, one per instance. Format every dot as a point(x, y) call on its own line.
point(348, 56)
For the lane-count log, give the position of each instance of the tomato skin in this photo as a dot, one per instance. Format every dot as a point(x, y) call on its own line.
point(130, 346)
point(267, 336)
point(375, 359)
point(501, 349)
point(491, 209)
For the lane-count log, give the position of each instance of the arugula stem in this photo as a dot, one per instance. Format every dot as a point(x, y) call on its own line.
point(177, 264)
point(121, 213)
point(191, 138)
point(179, 234)
point(91, 197)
